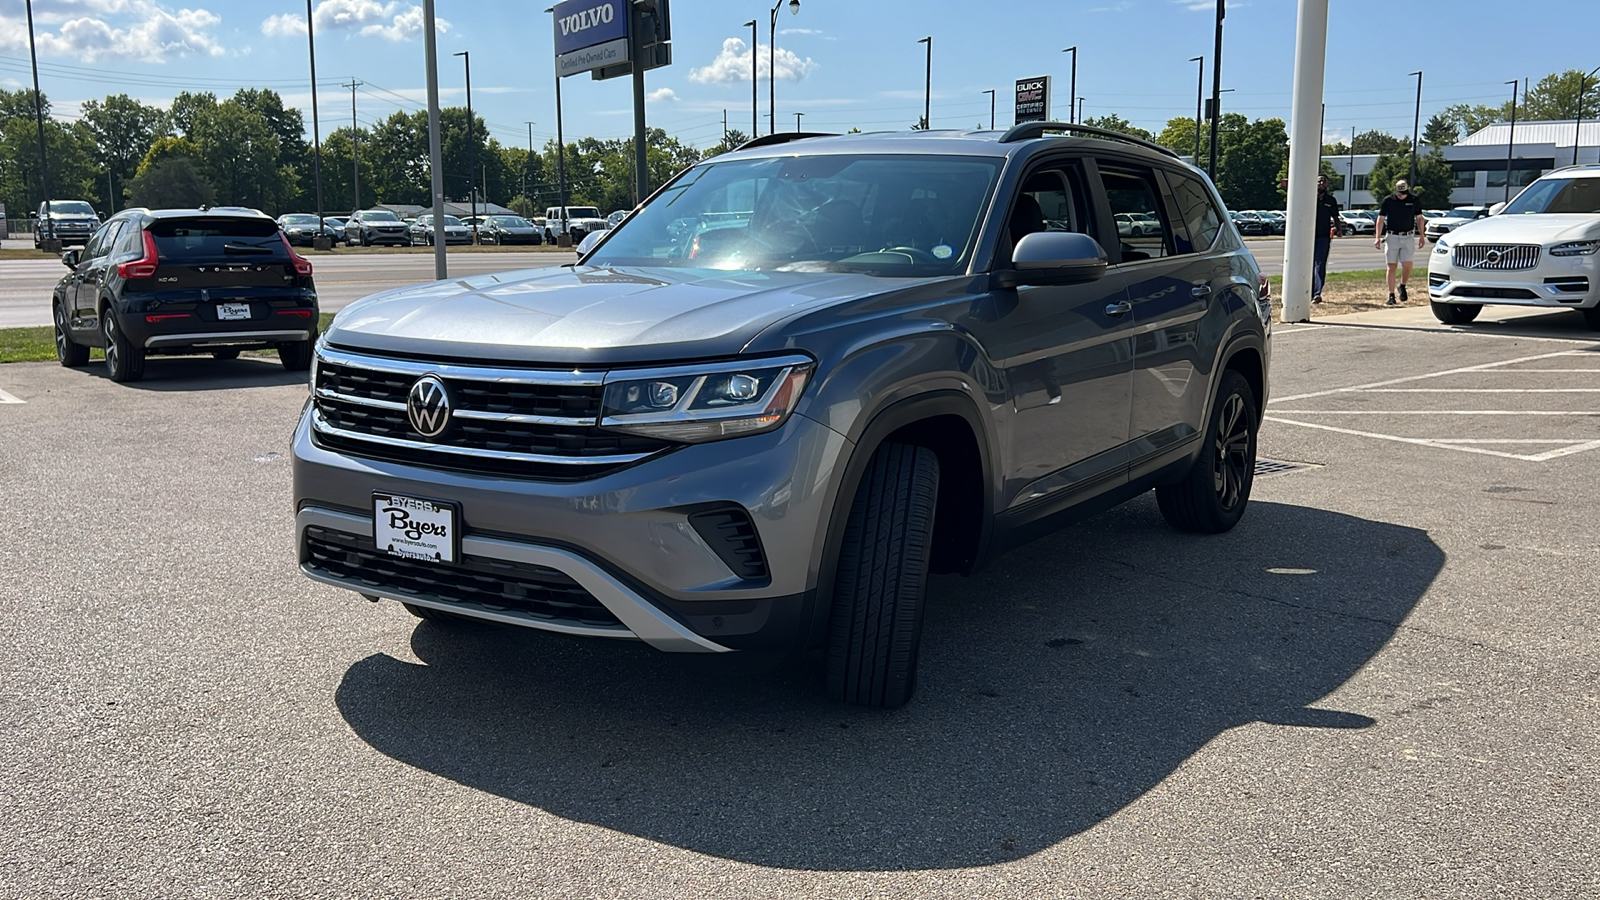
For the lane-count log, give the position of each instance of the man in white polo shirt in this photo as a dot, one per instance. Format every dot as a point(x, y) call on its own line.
point(1399, 219)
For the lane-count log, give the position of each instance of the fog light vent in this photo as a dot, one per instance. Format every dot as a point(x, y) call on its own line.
point(730, 534)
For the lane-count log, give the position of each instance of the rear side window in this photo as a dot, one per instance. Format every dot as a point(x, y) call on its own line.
point(1201, 220)
point(217, 236)
point(1140, 215)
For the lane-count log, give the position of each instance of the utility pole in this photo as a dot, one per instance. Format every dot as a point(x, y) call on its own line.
point(526, 165)
point(48, 241)
point(355, 143)
point(797, 121)
point(724, 127)
point(472, 147)
point(1216, 90)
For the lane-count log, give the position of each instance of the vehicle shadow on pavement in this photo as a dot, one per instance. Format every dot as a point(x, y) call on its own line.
point(173, 374)
point(1058, 687)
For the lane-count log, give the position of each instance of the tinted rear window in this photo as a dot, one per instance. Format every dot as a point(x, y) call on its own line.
point(217, 236)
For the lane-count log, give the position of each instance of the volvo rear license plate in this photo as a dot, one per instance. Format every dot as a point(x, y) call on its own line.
point(413, 528)
point(230, 311)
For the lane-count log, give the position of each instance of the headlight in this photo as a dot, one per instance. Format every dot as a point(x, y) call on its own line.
point(707, 402)
point(1575, 248)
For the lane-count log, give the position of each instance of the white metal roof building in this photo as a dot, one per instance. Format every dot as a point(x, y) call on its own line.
point(1479, 161)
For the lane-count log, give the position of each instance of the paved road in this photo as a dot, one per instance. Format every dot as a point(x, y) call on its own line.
point(25, 283)
point(1384, 683)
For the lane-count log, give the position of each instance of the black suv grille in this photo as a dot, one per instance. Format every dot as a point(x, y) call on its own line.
point(505, 422)
point(477, 582)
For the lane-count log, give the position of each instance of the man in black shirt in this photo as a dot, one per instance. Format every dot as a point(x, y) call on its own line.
point(1327, 224)
point(1399, 217)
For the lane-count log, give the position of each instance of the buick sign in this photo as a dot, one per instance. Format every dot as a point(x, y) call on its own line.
point(581, 24)
point(1033, 100)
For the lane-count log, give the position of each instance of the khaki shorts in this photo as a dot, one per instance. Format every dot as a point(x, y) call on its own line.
point(1397, 248)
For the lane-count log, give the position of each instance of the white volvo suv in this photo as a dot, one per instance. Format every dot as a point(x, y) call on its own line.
point(1539, 251)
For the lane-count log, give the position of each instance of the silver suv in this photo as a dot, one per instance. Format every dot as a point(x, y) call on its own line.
point(801, 377)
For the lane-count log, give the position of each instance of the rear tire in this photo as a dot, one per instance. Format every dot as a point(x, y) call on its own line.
point(224, 354)
point(876, 624)
point(124, 361)
point(68, 352)
point(1455, 313)
point(1212, 496)
point(295, 355)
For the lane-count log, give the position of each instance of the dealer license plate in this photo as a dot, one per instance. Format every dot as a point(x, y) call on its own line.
point(231, 311)
point(413, 528)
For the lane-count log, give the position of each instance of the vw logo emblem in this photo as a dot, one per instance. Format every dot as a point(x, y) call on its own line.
point(428, 406)
point(1492, 257)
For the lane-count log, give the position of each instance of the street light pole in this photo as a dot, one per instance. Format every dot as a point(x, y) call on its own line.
point(49, 242)
point(1072, 89)
point(1216, 90)
point(797, 121)
point(561, 162)
point(927, 88)
point(772, 63)
point(430, 45)
point(991, 108)
point(1577, 127)
point(1079, 116)
point(472, 148)
point(316, 133)
point(755, 77)
point(1511, 140)
point(1416, 125)
point(1199, 93)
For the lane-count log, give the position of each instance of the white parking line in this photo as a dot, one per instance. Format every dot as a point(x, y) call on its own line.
point(1410, 378)
point(1437, 412)
point(8, 398)
point(1482, 391)
point(1448, 444)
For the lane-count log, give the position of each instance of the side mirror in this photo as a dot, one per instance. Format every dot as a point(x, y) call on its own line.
point(70, 259)
point(1055, 257)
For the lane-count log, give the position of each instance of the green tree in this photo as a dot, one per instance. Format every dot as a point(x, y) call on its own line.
point(398, 153)
point(1433, 183)
point(73, 172)
point(1556, 97)
point(338, 171)
point(173, 183)
point(1440, 131)
point(1249, 160)
point(240, 154)
point(123, 130)
point(1114, 122)
point(187, 107)
point(1380, 142)
point(730, 141)
point(164, 148)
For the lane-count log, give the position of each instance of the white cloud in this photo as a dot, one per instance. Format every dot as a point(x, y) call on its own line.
point(733, 64)
point(662, 95)
point(799, 31)
point(136, 30)
point(388, 19)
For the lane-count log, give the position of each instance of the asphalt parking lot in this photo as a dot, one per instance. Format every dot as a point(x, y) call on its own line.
point(1384, 683)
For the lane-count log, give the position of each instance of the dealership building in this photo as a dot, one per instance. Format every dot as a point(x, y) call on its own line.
point(1479, 162)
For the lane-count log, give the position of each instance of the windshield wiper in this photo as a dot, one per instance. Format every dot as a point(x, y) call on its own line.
point(245, 248)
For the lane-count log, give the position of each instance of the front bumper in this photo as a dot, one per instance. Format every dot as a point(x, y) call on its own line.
point(1556, 283)
point(625, 536)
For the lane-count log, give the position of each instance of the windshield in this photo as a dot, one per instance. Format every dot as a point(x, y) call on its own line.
point(884, 214)
point(299, 219)
point(1557, 195)
point(380, 215)
point(70, 208)
point(510, 221)
point(583, 212)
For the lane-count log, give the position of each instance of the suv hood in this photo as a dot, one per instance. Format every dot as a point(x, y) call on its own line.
point(593, 316)
point(1539, 228)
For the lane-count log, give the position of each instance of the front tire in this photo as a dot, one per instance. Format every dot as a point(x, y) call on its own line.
point(225, 354)
point(124, 361)
point(1455, 313)
point(876, 624)
point(68, 352)
point(1213, 494)
point(1591, 318)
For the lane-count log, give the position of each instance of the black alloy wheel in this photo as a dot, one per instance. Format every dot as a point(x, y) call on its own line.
point(295, 355)
point(1213, 494)
point(1455, 313)
point(68, 352)
point(124, 361)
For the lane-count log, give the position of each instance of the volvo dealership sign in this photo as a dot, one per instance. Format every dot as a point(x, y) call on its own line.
point(1033, 100)
point(590, 34)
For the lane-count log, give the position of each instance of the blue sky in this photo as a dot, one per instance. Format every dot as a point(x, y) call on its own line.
point(842, 63)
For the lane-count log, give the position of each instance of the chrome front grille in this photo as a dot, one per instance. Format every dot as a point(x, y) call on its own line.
point(1497, 257)
point(518, 422)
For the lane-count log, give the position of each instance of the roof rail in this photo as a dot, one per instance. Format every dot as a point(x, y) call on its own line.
point(1030, 130)
point(781, 137)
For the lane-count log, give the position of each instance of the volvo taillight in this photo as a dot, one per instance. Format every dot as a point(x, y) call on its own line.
point(144, 266)
point(302, 266)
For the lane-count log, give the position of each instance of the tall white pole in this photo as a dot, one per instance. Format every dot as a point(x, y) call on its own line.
point(1305, 153)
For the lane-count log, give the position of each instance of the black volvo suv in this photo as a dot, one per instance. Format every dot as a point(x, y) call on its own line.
point(183, 281)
